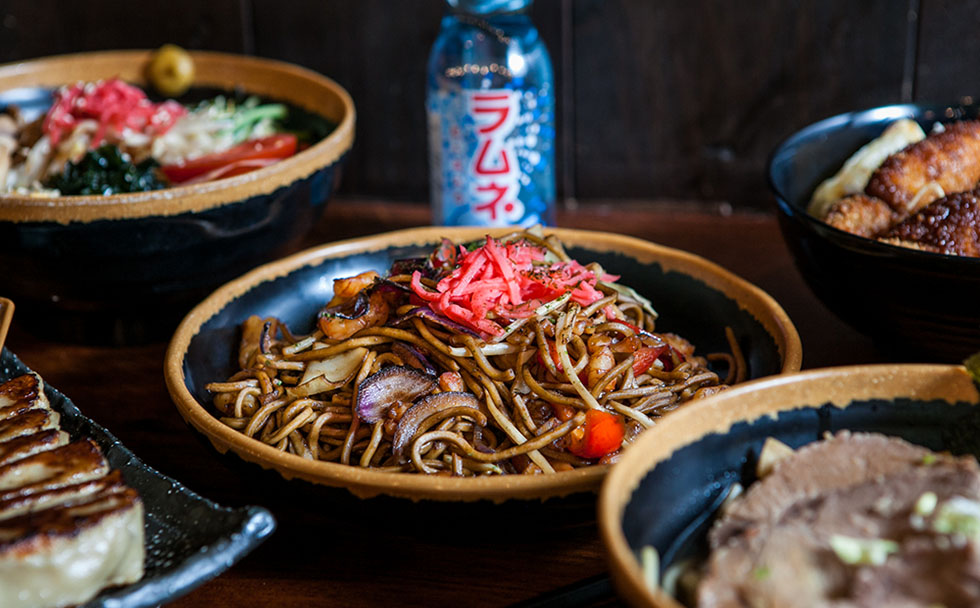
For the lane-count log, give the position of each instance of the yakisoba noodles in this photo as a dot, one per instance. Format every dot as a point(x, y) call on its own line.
point(500, 356)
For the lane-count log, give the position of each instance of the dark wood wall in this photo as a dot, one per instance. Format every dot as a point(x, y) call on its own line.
point(679, 99)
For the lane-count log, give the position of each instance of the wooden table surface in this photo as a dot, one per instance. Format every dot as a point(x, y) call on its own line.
point(331, 549)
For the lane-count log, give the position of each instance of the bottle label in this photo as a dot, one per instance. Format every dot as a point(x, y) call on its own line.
point(491, 164)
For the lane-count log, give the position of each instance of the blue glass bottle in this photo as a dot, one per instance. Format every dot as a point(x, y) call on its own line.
point(491, 112)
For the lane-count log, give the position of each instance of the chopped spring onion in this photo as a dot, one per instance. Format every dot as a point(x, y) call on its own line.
point(862, 551)
point(650, 563)
point(958, 515)
point(926, 504)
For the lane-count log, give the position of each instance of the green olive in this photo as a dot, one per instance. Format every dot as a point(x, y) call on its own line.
point(171, 70)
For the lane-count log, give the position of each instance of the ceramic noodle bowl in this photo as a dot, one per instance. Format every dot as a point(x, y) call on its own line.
point(694, 298)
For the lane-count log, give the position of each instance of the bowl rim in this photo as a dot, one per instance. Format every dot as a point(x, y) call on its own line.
point(366, 483)
point(935, 112)
point(217, 69)
point(747, 403)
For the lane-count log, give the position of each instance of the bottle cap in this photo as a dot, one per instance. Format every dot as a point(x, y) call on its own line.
point(486, 7)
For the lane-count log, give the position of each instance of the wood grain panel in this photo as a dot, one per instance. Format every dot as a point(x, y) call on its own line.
point(36, 28)
point(687, 99)
point(948, 46)
point(377, 51)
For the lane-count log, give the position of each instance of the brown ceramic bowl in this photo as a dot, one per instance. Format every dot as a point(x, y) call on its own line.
point(694, 297)
point(126, 267)
point(666, 488)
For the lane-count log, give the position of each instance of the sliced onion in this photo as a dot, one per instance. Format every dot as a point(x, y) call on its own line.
point(328, 374)
point(413, 357)
point(391, 384)
point(424, 312)
point(414, 416)
point(350, 309)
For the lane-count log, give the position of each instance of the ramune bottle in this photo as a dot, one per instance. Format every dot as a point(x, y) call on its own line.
point(491, 112)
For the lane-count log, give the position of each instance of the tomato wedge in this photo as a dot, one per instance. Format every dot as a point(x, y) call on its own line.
point(601, 434)
point(246, 156)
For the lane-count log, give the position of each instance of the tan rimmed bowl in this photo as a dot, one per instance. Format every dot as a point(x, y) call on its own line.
point(666, 488)
point(126, 267)
point(693, 296)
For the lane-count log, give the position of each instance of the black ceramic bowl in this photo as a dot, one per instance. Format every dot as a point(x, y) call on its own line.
point(666, 489)
point(915, 304)
point(124, 268)
point(694, 297)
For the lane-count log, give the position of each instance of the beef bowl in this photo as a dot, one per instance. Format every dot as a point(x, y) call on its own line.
point(872, 463)
point(916, 302)
point(237, 169)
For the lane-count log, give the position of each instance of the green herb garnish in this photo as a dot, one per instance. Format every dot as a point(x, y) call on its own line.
point(973, 366)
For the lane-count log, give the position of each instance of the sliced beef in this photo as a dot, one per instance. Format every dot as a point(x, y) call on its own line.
point(772, 548)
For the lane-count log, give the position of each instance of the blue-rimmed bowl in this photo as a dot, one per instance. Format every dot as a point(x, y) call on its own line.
point(124, 268)
point(915, 304)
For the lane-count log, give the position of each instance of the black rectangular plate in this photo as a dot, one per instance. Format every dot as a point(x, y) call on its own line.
point(189, 539)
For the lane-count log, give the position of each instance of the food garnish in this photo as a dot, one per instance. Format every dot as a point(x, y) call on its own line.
point(972, 365)
point(171, 70)
point(501, 282)
point(862, 551)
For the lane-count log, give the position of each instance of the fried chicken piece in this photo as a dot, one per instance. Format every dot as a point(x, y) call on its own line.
point(950, 225)
point(861, 214)
point(950, 159)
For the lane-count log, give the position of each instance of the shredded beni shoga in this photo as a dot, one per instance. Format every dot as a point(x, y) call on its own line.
point(493, 357)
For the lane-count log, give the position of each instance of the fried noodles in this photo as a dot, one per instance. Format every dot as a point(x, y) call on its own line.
point(519, 361)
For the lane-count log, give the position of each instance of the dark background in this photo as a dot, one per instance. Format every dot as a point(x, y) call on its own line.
point(679, 100)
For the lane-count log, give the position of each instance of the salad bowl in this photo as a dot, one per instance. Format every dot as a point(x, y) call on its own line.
point(123, 268)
